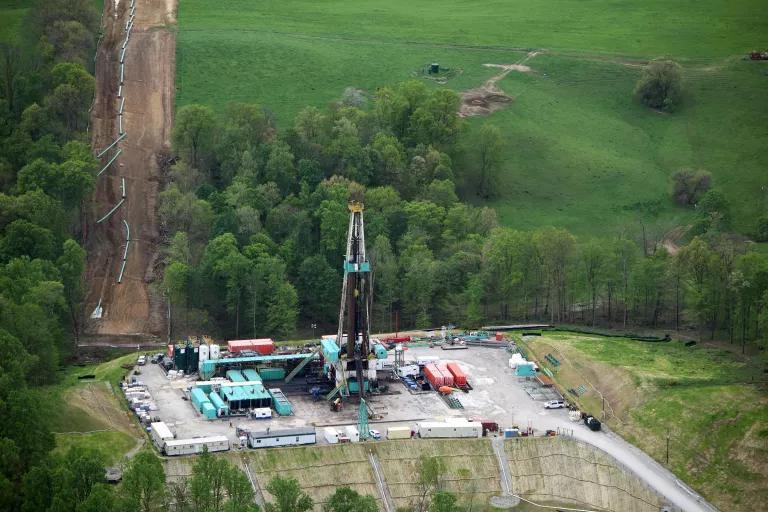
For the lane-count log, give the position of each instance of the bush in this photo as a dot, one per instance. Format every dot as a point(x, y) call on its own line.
point(761, 235)
point(660, 85)
point(690, 185)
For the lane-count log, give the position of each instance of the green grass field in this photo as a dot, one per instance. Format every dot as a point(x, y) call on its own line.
point(12, 13)
point(707, 400)
point(580, 153)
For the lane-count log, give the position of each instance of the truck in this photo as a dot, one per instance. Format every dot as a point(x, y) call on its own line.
point(438, 429)
point(592, 422)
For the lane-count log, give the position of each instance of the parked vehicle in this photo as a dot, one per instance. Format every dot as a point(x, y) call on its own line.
point(593, 423)
point(141, 361)
point(374, 434)
point(554, 404)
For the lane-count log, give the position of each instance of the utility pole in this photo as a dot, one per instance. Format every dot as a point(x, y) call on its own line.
point(314, 326)
point(667, 447)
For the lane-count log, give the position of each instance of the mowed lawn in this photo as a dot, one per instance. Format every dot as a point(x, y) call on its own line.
point(710, 402)
point(580, 153)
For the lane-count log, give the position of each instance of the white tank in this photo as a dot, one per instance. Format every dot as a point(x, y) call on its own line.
point(204, 353)
point(214, 352)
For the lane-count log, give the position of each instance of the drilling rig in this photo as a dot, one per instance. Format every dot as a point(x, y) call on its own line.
point(352, 372)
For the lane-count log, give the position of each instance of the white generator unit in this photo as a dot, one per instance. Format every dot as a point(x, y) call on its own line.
point(261, 413)
point(425, 360)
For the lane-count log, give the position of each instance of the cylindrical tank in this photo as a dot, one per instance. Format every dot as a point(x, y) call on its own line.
point(204, 353)
point(214, 351)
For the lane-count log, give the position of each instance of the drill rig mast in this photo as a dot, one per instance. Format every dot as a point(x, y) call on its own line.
point(355, 308)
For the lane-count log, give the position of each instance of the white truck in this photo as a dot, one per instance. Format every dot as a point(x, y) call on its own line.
point(436, 429)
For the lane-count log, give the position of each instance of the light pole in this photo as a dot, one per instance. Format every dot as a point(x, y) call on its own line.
point(314, 326)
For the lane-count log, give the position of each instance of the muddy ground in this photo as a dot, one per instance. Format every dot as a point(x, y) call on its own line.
point(131, 309)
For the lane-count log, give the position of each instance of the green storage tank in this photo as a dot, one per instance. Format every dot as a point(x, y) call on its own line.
point(380, 351)
point(272, 373)
point(281, 404)
point(180, 357)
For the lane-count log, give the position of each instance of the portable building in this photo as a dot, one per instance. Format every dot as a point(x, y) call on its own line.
point(280, 403)
point(196, 445)
point(331, 435)
point(261, 413)
point(431, 429)
point(352, 433)
point(222, 409)
point(459, 377)
point(286, 437)
point(160, 434)
point(400, 432)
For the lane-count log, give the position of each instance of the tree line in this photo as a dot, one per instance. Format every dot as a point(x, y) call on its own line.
point(257, 219)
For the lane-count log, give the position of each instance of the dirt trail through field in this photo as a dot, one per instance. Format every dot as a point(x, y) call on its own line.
point(489, 97)
point(130, 308)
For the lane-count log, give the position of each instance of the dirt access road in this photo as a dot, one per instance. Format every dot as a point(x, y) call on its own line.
point(131, 309)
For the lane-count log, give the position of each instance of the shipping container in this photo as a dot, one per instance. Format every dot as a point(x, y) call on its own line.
point(447, 376)
point(272, 373)
point(160, 434)
point(434, 375)
point(459, 377)
point(287, 437)
point(193, 446)
point(399, 432)
point(280, 403)
point(263, 346)
point(434, 429)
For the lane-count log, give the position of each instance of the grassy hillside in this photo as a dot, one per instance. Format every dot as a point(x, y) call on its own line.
point(705, 399)
point(12, 13)
point(89, 412)
point(580, 153)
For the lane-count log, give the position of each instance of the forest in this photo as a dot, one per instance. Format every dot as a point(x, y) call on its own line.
point(256, 220)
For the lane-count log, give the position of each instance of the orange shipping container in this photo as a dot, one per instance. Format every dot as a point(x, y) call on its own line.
point(447, 377)
point(434, 376)
point(264, 346)
point(459, 377)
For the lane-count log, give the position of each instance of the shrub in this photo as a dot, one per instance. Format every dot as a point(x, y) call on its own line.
point(688, 186)
point(660, 85)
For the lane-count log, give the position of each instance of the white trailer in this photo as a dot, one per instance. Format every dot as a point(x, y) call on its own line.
point(399, 432)
point(352, 433)
point(160, 434)
point(331, 435)
point(425, 360)
point(196, 445)
point(286, 437)
point(429, 429)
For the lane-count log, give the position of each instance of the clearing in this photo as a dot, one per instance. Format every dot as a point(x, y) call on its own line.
point(130, 308)
point(708, 401)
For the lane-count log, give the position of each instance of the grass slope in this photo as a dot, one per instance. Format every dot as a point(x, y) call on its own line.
point(12, 14)
point(703, 398)
point(580, 153)
point(89, 413)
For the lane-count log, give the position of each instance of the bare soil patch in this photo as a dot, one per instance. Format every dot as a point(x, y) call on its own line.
point(131, 307)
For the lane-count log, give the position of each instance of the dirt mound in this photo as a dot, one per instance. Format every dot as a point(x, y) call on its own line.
point(489, 97)
point(133, 306)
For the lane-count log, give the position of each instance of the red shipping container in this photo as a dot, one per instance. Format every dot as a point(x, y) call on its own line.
point(264, 346)
point(447, 376)
point(459, 377)
point(434, 376)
